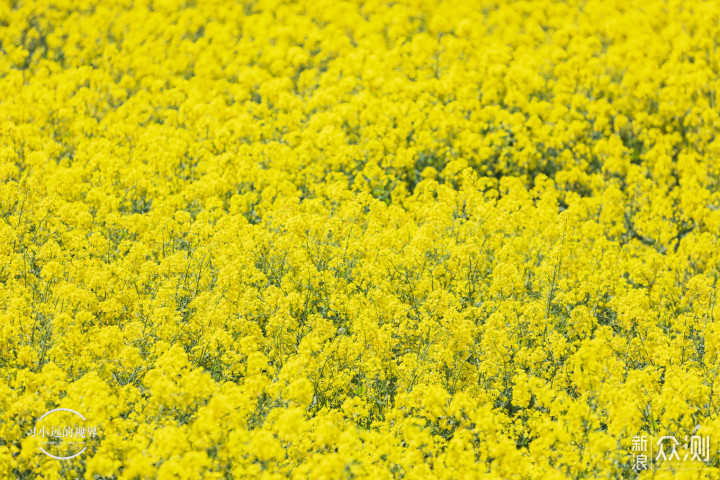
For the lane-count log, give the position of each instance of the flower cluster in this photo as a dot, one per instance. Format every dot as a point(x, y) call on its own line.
point(359, 239)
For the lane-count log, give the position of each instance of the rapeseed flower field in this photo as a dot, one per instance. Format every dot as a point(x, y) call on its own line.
point(330, 239)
